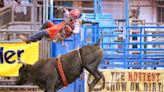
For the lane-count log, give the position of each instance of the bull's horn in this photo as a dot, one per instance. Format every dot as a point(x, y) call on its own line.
point(20, 61)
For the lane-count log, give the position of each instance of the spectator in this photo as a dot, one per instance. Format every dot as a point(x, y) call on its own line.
point(134, 14)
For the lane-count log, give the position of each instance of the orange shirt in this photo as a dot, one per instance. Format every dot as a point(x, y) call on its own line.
point(54, 29)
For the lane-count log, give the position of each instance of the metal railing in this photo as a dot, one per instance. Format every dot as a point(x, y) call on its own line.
point(7, 84)
point(13, 15)
point(142, 49)
point(11, 36)
point(128, 47)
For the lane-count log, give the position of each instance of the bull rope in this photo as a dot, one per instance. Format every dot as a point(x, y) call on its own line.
point(79, 55)
point(65, 83)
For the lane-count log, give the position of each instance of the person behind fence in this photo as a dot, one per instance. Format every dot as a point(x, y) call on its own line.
point(58, 32)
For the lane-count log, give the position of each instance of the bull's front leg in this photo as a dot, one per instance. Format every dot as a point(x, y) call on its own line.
point(51, 81)
point(50, 86)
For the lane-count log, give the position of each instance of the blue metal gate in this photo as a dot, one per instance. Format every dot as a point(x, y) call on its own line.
point(125, 47)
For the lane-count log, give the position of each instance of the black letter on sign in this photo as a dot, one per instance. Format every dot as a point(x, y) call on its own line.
point(8, 57)
point(1, 55)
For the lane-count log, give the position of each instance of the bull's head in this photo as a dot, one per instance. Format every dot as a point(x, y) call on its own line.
point(23, 74)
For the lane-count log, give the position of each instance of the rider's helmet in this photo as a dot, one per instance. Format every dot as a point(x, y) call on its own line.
point(74, 14)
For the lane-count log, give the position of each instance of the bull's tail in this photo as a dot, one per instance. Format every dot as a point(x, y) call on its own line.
point(98, 42)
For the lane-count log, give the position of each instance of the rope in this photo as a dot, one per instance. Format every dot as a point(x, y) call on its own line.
point(79, 55)
point(62, 72)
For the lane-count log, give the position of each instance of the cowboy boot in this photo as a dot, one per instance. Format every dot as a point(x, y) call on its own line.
point(25, 39)
point(45, 25)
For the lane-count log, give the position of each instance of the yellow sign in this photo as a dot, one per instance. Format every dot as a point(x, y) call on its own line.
point(9, 54)
point(128, 81)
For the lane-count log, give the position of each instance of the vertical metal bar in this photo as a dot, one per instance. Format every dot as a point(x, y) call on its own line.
point(95, 6)
point(85, 34)
point(40, 13)
point(95, 10)
point(54, 50)
point(32, 16)
point(127, 12)
point(44, 10)
point(12, 14)
point(93, 34)
point(51, 16)
point(127, 32)
point(141, 47)
point(51, 9)
point(100, 6)
point(47, 10)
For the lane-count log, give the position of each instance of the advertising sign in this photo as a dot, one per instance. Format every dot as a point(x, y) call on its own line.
point(128, 81)
point(9, 54)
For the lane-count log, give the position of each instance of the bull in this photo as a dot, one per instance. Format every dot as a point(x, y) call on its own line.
point(45, 73)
